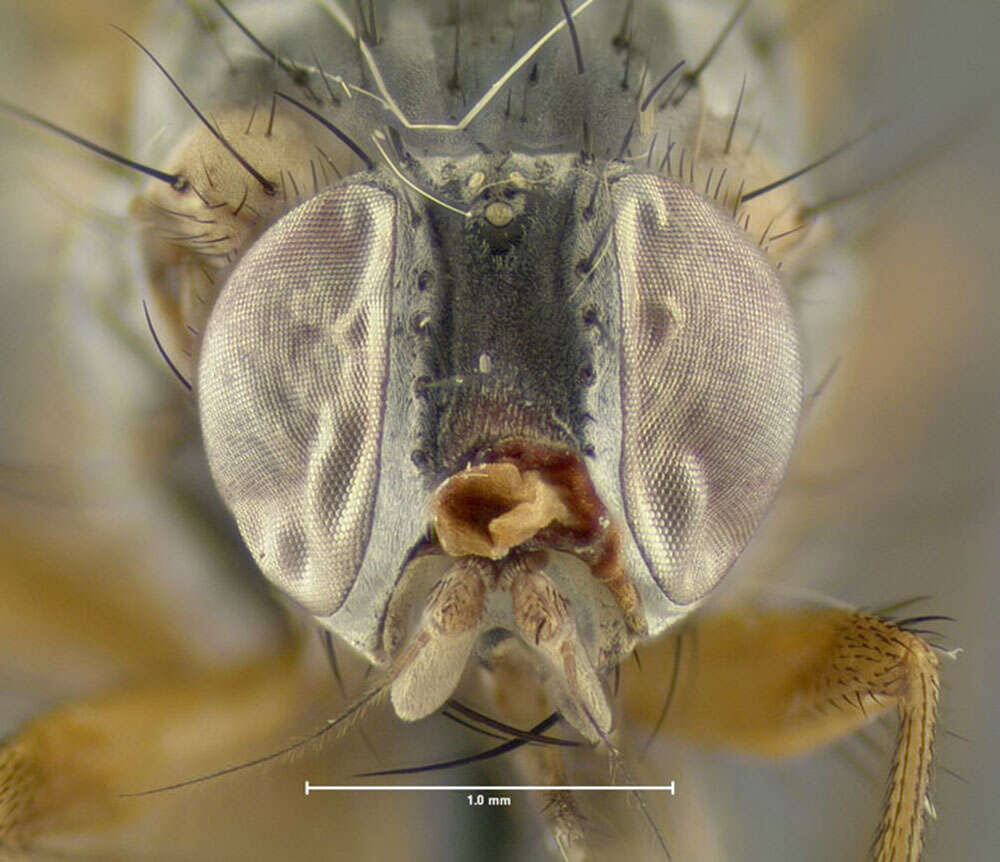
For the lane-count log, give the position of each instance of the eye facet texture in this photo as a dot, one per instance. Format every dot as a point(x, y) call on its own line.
point(710, 382)
point(290, 383)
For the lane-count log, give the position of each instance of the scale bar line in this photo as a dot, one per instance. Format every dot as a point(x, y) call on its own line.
point(484, 787)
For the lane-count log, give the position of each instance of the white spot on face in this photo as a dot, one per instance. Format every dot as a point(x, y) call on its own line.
point(499, 214)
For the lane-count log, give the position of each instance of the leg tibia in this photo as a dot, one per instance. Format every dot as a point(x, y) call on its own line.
point(780, 683)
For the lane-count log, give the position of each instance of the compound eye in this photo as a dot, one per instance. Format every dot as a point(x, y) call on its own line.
point(710, 382)
point(290, 386)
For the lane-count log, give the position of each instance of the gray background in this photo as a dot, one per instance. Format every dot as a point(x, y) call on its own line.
point(894, 493)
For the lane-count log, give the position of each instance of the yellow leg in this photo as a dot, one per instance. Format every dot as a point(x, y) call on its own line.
point(780, 683)
point(67, 770)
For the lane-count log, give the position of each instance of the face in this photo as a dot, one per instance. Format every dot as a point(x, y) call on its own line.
point(494, 387)
point(520, 389)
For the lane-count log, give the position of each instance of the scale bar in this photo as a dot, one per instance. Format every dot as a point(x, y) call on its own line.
point(491, 787)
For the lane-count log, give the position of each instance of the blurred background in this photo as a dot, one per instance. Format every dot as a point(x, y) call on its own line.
point(894, 493)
